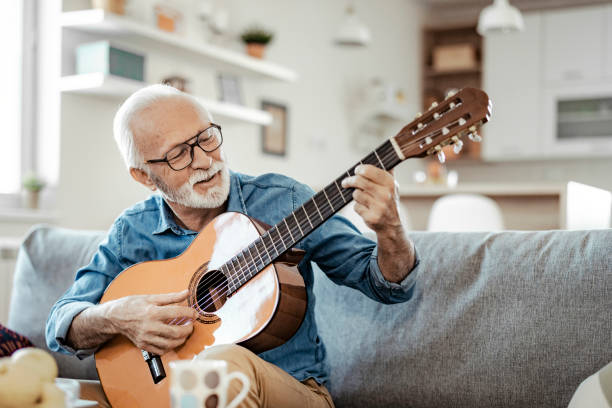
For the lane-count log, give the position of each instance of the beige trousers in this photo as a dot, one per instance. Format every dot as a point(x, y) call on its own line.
point(270, 385)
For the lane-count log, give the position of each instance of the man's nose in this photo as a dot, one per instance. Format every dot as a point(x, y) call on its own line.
point(201, 160)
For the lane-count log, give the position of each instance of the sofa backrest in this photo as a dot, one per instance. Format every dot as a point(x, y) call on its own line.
point(511, 319)
point(46, 266)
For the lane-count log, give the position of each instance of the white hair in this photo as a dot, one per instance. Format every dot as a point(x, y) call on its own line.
point(139, 100)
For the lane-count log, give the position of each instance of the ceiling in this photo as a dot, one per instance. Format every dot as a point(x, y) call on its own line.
point(442, 12)
point(522, 4)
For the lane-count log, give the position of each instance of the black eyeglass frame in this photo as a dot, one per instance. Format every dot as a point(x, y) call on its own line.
point(191, 147)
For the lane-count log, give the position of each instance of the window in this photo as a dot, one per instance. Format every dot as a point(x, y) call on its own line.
point(11, 30)
point(17, 71)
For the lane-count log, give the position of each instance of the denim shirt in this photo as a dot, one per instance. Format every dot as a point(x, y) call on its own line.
point(147, 231)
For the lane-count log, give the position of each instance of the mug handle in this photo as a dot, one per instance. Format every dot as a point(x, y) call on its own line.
point(245, 387)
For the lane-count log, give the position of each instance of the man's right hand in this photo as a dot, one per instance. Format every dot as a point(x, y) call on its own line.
point(154, 323)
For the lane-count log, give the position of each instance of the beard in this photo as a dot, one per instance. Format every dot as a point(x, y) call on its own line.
point(186, 196)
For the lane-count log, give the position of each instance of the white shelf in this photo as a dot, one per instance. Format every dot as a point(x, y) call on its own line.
point(113, 86)
point(101, 22)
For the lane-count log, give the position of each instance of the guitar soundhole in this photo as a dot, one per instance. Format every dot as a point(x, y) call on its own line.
point(211, 292)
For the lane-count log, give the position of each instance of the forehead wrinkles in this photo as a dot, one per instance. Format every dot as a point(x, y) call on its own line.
point(168, 122)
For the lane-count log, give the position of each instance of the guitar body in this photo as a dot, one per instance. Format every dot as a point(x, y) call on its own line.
point(262, 314)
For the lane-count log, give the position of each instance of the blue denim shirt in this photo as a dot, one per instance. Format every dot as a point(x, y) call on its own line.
point(147, 231)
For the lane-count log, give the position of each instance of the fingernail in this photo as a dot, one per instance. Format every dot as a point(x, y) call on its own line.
point(344, 183)
point(359, 169)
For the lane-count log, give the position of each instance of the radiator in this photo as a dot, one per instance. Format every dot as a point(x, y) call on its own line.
point(8, 255)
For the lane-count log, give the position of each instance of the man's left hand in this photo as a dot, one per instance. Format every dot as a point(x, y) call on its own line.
point(376, 198)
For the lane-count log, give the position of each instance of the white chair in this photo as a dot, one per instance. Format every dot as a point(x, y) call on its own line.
point(465, 212)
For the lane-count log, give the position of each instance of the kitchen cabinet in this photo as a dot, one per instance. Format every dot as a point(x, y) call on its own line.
point(573, 46)
point(510, 78)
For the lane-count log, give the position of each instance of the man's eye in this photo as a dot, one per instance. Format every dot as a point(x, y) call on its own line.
point(178, 152)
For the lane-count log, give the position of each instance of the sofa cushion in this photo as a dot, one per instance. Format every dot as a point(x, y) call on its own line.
point(46, 265)
point(512, 319)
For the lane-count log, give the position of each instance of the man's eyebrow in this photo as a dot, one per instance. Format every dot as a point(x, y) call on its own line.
point(186, 140)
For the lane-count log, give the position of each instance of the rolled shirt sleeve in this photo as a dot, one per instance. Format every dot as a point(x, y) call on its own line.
point(86, 291)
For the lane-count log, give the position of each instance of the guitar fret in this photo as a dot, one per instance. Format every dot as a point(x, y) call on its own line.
point(280, 237)
point(298, 223)
point(380, 161)
point(258, 244)
point(256, 252)
point(288, 229)
point(330, 204)
point(317, 207)
point(307, 217)
point(265, 247)
point(248, 251)
point(271, 242)
point(340, 191)
point(244, 264)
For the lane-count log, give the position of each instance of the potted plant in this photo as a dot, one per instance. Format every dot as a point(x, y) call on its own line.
point(32, 185)
point(256, 38)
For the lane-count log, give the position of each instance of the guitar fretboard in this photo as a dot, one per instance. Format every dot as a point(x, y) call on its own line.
point(301, 222)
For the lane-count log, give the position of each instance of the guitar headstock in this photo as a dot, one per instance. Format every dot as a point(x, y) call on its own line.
point(445, 123)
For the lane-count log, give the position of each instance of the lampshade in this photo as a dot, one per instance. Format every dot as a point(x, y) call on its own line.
point(352, 31)
point(500, 17)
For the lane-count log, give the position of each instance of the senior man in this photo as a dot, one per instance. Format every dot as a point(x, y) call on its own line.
point(171, 145)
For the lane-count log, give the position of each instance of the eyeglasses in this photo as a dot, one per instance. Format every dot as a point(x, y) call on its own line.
point(181, 156)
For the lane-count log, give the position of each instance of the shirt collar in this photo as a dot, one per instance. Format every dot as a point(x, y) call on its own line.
point(166, 216)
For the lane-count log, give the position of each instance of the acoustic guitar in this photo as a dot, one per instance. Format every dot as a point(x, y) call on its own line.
point(242, 274)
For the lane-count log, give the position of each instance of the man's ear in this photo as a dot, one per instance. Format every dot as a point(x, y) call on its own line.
point(143, 178)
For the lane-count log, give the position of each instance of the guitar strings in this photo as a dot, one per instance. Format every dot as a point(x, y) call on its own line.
point(244, 271)
point(250, 267)
point(240, 272)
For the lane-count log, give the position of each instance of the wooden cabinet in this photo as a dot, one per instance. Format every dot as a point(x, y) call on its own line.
point(573, 45)
point(452, 59)
point(511, 80)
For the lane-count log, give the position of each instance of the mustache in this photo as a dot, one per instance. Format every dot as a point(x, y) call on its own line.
point(202, 175)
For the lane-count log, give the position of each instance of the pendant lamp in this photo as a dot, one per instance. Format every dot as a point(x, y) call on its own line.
point(500, 17)
point(352, 31)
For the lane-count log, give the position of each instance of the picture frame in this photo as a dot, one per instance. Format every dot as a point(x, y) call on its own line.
point(274, 136)
point(229, 89)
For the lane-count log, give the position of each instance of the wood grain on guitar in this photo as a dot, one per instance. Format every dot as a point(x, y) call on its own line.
point(241, 273)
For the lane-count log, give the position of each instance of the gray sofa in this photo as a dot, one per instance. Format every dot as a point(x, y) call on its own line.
point(511, 319)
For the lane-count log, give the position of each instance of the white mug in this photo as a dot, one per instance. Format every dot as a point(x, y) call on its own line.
point(204, 383)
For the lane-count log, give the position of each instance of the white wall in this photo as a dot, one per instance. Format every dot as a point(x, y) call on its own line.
point(94, 186)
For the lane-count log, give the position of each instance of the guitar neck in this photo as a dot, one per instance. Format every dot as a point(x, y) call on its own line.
point(443, 124)
point(301, 222)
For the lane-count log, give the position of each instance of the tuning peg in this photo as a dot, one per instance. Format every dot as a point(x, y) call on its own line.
point(436, 116)
point(475, 137)
point(452, 105)
point(451, 93)
point(418, 115)
point(420, 126)
point(433, 105)
point(458, 146)
point(462, 122)
point(445, 131)
point(428, 140)
point(441, 156)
